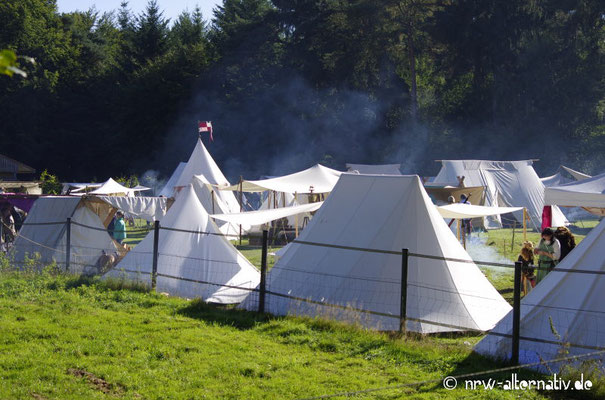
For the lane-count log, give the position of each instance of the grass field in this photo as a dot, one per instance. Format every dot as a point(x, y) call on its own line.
point(64, 338)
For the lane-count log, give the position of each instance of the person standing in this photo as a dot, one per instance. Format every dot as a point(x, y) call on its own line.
point(119, 228)
point(467, 226)
point(548, 252)
point(566, 239)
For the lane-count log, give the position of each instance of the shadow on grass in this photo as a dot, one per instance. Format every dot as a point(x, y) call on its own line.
point(226, 315)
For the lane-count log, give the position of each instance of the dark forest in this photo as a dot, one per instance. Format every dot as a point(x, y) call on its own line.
point(290, 83)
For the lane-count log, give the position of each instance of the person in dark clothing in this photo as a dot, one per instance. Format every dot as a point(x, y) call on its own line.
point(567, 240)
point(526, 258)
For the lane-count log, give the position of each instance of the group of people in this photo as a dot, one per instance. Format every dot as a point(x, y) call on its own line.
point(552, 248)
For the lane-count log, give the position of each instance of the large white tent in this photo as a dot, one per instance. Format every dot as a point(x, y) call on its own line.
point(168, 189)
point(190, 264)
point(317, 179)
point(384, 213)
point(588, 193)
point(202, 163)
point(507, 184)
point(44, 234)
point(564, 314)
point(379, 169)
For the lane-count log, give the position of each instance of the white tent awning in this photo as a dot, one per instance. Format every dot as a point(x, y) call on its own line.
point(259, 217)
point(462, 211)
point(317, 179)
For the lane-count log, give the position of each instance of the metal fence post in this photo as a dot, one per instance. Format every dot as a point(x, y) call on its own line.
point(516, 314)
point(404, 291)
point(154, 268)
point(263, 274)
point(67, 244)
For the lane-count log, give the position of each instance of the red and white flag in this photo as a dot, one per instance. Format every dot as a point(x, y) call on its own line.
point(205, 126)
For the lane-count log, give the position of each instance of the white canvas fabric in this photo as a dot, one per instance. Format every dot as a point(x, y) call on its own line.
point(585, 193)
point(191, 265)
point(462, 211)
point(570, 304)
point(168, 189)
point(578, 176)
point(260, 217)
point(281, 199)
point(507, 184)
point(555, 180)
point(213, 203)
point(317, 179)
point(386, 213)
point(88, 242)
point(202, 163)
point(564, 175)
point(384, 169)
point(147, 208)
point(111, 187)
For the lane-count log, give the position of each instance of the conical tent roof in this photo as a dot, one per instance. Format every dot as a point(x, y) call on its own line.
point(192, 265)
point(564, 313)
point(385, 213)
point(202, 163)
point(507, 184)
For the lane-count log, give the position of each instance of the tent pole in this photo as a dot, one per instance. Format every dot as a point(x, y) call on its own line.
point(212, 194)
point(241, 204)
point(524, 224)
point(463, 234)
point(296, 217)
point(458, 229)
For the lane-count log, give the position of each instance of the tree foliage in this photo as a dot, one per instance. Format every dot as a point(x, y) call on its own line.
point(289, 83)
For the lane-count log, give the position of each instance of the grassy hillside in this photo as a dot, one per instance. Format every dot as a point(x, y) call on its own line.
point(64, 338)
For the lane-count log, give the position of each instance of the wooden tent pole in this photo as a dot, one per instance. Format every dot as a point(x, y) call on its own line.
point(458, 229)
point(524, 224)
point(212, 194)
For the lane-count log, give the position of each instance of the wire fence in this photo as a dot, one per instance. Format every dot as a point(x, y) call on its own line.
point(414, 294)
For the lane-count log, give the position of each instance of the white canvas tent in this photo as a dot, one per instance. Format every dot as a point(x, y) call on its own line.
point(564, 175)
point(213, 203)
point(564, 314)
point(386, 213)
point(168, 189)
point(507, 184)
point(587, 193)
point(202, 163)
point(317, 179)
point(110, 188)
point(89, 238)
point(384, 169)
point(191, 265)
